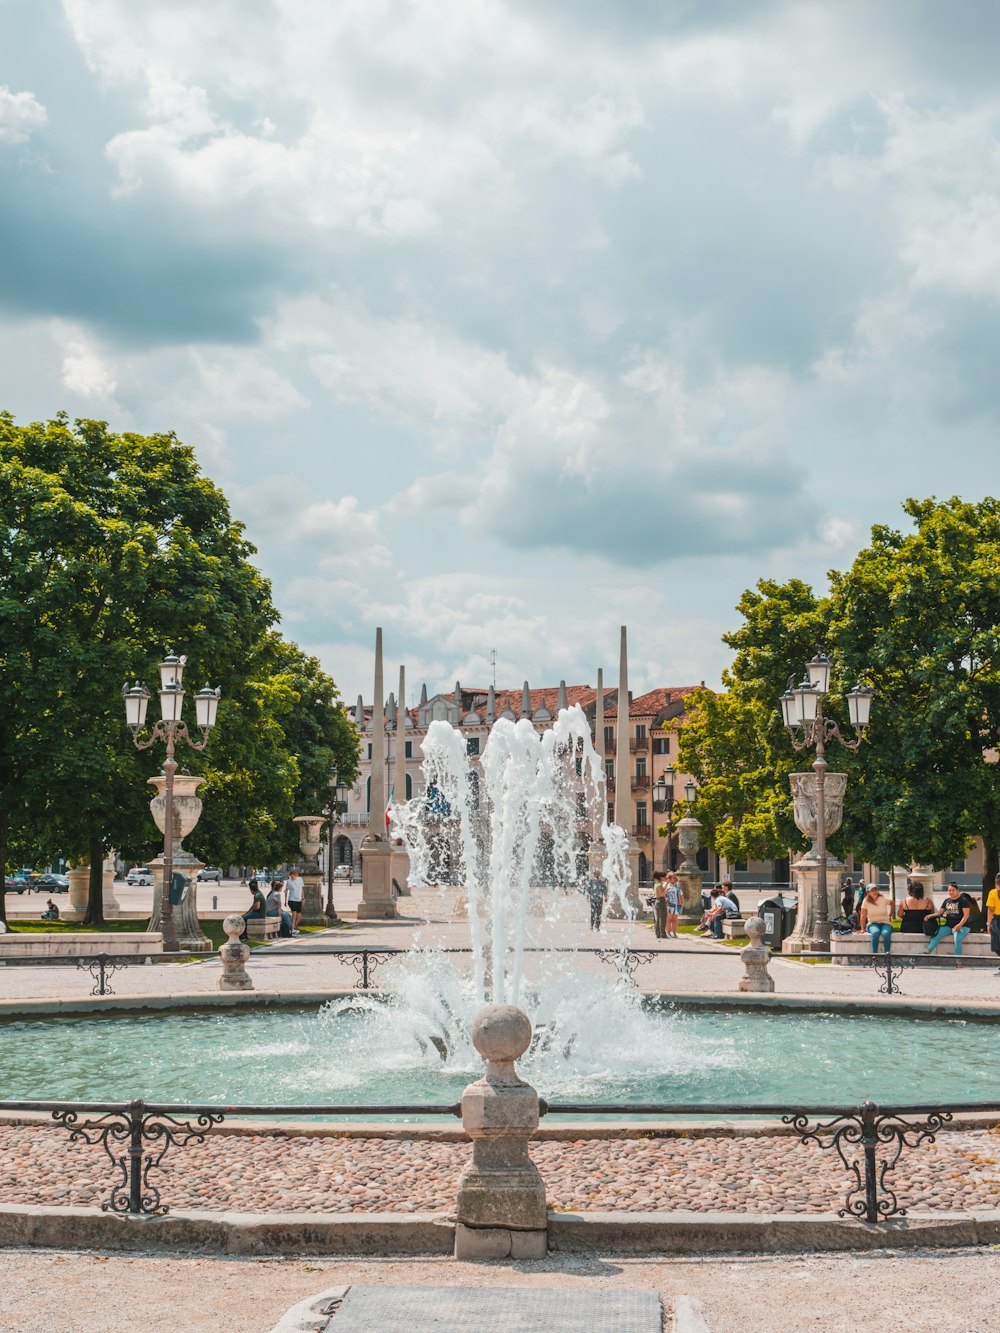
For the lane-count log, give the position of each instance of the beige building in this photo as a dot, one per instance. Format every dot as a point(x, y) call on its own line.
point(475, 711)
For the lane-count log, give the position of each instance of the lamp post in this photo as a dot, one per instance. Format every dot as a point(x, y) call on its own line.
point(802, 712)
point(170, 728)
point(663, 796)
point(338, 796)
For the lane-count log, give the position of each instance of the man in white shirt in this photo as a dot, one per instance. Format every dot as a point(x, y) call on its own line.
point(296, 892)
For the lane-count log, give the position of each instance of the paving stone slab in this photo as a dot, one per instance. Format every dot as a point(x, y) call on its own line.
point(486, 1309)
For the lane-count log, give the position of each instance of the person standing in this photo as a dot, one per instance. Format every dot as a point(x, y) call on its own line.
point(674, 897)
point(993, 919)
point(296, 892)
point(956, 910)
point(660, 905)
point(597, 892)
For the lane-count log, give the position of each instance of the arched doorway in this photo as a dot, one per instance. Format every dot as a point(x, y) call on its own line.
point(343, 852)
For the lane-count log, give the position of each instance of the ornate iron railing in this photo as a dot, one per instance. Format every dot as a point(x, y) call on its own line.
point(136, 1136)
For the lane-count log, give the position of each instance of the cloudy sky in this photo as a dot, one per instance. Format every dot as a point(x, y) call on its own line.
point(504, 323)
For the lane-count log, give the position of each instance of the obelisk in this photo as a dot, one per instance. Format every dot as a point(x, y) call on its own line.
point(623, 776)
point(598, 850)
point(377, 902)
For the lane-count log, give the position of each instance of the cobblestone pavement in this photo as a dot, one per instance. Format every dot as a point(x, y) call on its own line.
point(311, 1174)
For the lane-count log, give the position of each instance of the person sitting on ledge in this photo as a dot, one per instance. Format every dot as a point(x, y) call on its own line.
point(915, 908)
point(876, 918)
point(956, 909)
point(276, 907)
point(51, 912)
point(258, 908)
point(723, 905)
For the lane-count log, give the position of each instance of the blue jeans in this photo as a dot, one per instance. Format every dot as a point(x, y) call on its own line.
point(880, 930)
point(943, 932)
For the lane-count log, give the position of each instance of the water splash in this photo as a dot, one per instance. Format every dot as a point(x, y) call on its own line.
point(517, 840)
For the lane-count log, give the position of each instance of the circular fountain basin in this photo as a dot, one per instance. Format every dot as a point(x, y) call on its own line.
point(355, 1054)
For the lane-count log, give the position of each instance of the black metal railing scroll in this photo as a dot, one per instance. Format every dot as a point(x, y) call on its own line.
point(871, 1196)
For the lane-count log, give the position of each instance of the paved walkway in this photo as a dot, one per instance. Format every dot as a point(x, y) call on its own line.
point(689, 965)
point(282, 1174)
point(923, 1292)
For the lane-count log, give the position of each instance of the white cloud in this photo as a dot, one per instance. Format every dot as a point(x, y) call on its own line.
point(21, 114)
point(85, 371)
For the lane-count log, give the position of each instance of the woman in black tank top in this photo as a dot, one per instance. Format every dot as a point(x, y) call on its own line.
point(915, 908)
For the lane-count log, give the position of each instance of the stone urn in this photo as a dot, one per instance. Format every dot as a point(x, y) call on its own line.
point(804, 797)
point(309, 831)
point(187, 806)
point(689, 841)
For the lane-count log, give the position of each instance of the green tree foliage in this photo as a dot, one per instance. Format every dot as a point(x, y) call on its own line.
point(112, 548)
point(918, 616)
point(280, 736)
point(733, 743)
point(919, 612)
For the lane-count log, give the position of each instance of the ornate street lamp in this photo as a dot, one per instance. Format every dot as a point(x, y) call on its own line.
point(663, 794)
point(338, 798)
point(170, 728)
point(802, 713)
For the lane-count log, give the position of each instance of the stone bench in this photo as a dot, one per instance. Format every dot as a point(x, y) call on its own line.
point(67, 943)
point(855, 948)
point(734, 928)
point(264, 928)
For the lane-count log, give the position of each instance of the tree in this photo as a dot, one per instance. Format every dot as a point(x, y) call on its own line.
point(733, 743)
point(919, 614)
point(113, 547)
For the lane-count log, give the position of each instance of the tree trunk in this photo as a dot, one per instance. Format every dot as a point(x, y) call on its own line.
point(991, 865)
point(4, 821)
point(95, 889)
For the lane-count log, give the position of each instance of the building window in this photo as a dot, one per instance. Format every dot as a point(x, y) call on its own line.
point(641, 814)
point(609, 738)
point(409, 749)
point(611, 814)
point(661, 744)
point(472, 745)
point(578, 766)
point(581, 805)
point(640, 733)
point(609, 769)
point(958, 868)
point(640, 766)
point(369, 752)
point(409, 787)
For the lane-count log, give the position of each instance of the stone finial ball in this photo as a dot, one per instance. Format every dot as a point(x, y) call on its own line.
point(755, 928)
point(501, 1032)
point(233, 926)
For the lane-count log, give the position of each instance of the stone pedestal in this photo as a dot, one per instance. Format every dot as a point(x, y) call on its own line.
point(805, 873)
point(756, 957)
point(234, 957)
point(310, 828)
point(110, 904)
point(500, 1211)
point(690, 882)
point(79, 887)
point(189, 934)
point(377, 902)
point(79, 890)
point(313, 905)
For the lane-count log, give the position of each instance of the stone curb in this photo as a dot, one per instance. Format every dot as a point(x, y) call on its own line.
point(696, 1233)
point(433, 1233)
point(720, 1000)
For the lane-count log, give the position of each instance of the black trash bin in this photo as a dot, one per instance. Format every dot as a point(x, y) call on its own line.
point(778, 914)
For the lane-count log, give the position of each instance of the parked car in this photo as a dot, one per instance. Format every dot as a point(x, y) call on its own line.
point(15, 884)
point(342, 872)
point(139, 875)
point(51, 884)
point(210, 872)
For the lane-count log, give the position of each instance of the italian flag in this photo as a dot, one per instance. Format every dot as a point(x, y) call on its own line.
point(388, 808)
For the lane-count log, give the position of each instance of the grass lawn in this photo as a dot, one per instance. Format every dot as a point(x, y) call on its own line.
point(213, 930)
